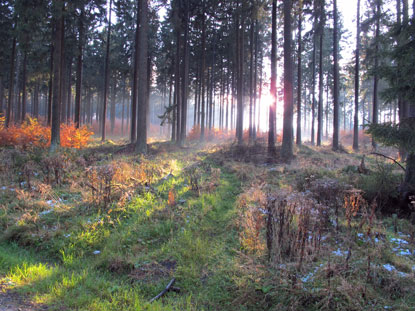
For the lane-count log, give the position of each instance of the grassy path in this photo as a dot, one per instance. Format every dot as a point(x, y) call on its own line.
point(118, 260)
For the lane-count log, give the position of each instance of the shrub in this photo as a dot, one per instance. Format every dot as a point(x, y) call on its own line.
point(382, 184)
point(295, 226)
point(212, 134)
point(32, 133)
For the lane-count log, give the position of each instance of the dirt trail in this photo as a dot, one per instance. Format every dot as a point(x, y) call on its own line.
point(11, 301)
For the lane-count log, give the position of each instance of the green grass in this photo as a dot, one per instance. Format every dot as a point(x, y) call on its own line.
point(83, 256)
point(197, 235)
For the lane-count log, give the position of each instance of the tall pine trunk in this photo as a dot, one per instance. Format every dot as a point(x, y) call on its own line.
point(299, 74)
point(57, 73)
point(336, 127)
point(376, 65)
point(79, 67)
point(11, 84)
point(251, 83)
point(357, 82)
point(287, 136)
point(24, 95)
point(272, 107)
point(320, 76)
point(143, 90)
point(202, 75)
point(106, 76)
point(133, 129)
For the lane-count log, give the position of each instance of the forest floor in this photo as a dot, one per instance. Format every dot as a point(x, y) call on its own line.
point(104, 229)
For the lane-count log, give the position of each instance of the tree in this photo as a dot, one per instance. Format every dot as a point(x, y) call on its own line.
point(11, 84)
point(376, 65)
point(79, 66)
point(357, 82)
point(335, 79)
point(320, 76)
point(240, 73)
point(299, 71)
point(106, 75)
point(272, 107)
point(314, 61)
point(287, 137)
point(58, 13)
point(142, 103)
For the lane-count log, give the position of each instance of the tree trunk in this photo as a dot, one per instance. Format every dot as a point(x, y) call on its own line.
point(287, 137)
point(11, 84)
point(57, 73)
point(376, 75)
point(357, 82)
point(240, 112)
point(313, 104)
point(123, 108)
point(320, 101)
point(79, 67)
point(36, 101)
point(177, 84)
point(143, 91)
point(133, 134)
point(185, 74)
point(299, 74)
point(251, 83)
point(255, 78)
point(1, 94)
point(50, 91)
point(24, 95)
point(112, 107)
point(273, 106)
point(107, 76)
point(202, 75)
point(69, 94)
point(336, 40)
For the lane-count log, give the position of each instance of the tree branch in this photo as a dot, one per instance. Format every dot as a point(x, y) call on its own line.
point(168, 287)
point(385, 156)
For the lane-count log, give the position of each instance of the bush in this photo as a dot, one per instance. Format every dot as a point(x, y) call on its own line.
point(382, 184)
point(32, 133)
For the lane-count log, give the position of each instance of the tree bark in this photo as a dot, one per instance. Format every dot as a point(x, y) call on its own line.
point(143, 91)
point(1, 94)
point(69, 93)
point(57, 74)
point(357, 82)
point(79, 68)
point(185, 74)
point(202, 75)
point(251, 83)
point(112, 107)
point(11, 84)
point(376, 65)
point(36, 101)
point(272, 107)
point(299, 74)
point(50, 90)
point(314, 61)
point(287, 136)
point(336, 127)
point(133, 129)
point(24, 95)
point(107, 76)
point(320, 82)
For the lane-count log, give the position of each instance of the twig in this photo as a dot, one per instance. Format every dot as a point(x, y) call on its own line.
point(385, 156)
point(168, 287)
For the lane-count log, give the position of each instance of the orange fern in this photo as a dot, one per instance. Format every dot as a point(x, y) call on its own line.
point(32, 133)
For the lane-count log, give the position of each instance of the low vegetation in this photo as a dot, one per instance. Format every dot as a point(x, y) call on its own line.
point(101, 228)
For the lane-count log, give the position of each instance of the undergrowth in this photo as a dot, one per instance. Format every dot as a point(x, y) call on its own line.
point(104, 229)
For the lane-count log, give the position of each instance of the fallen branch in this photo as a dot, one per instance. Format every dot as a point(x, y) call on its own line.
point(168, 288)
point(392, 159)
